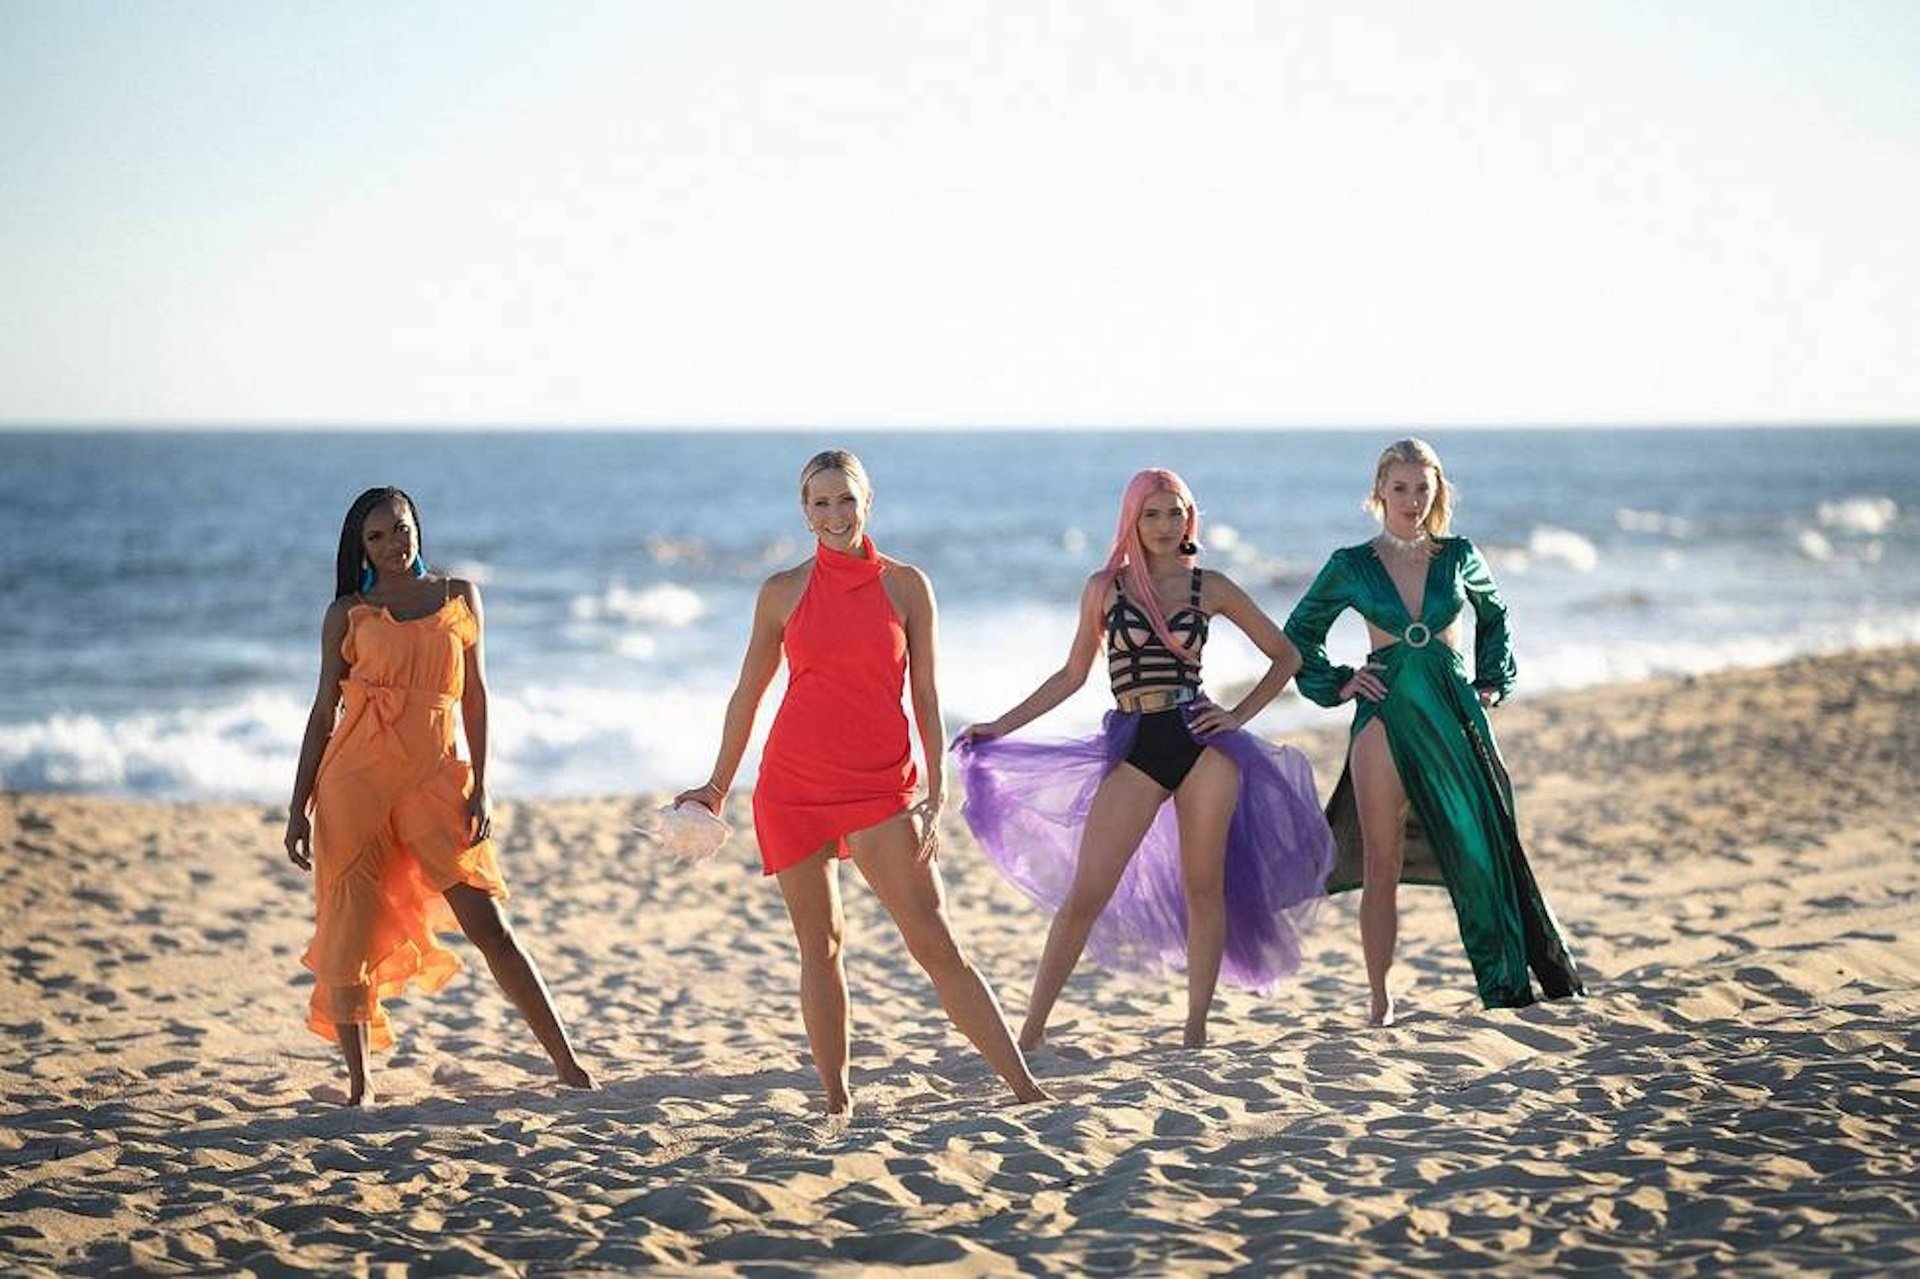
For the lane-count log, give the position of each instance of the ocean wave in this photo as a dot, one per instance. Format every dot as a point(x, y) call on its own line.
point(1628, 520)
point(1563, 546)
point(654, 726)
point(1546, 546)
point(1821, 549)
point(1865, 516)
point(663, 604)
point(243, 750)
point(479, 572)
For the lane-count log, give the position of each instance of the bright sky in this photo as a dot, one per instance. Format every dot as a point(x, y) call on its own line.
point(889, 213)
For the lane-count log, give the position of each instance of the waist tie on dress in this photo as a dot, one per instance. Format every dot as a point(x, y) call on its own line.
point(382, 705)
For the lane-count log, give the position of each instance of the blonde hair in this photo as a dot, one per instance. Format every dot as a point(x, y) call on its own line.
point(844, 462)
point(1416, 452)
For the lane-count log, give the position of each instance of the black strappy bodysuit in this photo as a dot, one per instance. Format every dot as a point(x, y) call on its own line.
point(1138, 661)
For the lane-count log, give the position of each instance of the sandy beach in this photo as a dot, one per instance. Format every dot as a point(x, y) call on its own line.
point(1736, 856)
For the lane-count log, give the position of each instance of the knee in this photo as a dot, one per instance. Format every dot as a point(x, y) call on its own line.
point(1381, 859)
point(823, 949)
point(936, 950)
point(1206, 889)
point(1085, 902)
point(1380, 876)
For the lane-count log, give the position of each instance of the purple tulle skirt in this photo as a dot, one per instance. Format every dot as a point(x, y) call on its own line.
point(1027, 802)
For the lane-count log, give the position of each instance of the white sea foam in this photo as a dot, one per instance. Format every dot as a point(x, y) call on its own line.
point(1868, 516)
point(244, 750)
point(1221, 536)
point(658, 732)
point(1631, 521)
point(1815, 545)
point(663, 604)
point(476, 571)
point(1563, 546)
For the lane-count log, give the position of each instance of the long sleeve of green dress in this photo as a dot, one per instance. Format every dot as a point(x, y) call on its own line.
point(1331, 594)
point(1460, 830)
point(1493, 667)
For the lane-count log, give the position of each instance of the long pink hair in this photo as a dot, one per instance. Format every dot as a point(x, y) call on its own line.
point(1128, 558)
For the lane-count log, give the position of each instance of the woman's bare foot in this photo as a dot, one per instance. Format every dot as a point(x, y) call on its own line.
point(839, 1105)
point(1382, 1011)
point(1195, 1037)
point(574, 1075)
point(1032, 1037)
point(1028, 1093)
point(359, 1093)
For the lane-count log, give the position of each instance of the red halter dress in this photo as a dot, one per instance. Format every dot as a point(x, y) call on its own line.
point(837, 759)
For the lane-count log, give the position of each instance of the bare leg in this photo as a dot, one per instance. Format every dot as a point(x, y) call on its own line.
point(354, 1046)
point(913, 894)
point(487, 928)
point(1204, 804)
point(812, 890)
point(1382, 804)
point(1117, 820)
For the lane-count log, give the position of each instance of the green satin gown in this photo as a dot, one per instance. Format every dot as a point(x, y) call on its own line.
point(1460, 827)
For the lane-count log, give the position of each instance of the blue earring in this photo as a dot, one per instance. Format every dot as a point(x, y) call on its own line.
point(367, 577)
point(419, 565)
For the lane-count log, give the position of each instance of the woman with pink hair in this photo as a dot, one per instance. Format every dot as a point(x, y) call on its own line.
point(1226, 877)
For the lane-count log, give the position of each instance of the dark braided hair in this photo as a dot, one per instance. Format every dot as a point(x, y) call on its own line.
point(347, 566)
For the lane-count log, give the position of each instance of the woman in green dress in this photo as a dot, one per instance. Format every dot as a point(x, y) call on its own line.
point(1425, 797)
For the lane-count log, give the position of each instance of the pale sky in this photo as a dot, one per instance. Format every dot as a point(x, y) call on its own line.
point(899, 214)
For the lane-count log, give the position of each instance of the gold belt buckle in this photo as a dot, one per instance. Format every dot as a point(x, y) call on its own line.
point(1426, 634)
point(1157, 700)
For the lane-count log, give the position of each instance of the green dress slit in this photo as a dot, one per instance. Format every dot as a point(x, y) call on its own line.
point(1460, 827)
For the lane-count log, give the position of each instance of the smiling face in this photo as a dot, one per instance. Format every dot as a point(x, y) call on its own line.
point(390, 538)
point(1164, 519)
point(1405, 492)
point(836, 509)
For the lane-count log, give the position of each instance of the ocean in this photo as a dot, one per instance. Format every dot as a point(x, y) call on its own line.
point(165, 589)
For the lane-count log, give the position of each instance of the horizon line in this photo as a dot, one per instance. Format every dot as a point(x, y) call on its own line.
point(227, 426)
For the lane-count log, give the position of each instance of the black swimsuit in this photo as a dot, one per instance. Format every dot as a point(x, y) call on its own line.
point(1137, 661)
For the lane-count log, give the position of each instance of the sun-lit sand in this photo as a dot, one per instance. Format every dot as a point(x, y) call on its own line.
point(1737, 858)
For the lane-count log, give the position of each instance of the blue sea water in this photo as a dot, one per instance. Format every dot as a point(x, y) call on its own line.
point(165, 590)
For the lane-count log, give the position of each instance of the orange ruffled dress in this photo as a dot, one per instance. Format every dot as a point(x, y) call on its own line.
point(390, 819)
point(837, 759)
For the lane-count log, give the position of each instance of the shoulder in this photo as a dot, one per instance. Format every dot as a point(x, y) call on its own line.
point(1215, 585)
point(909, 588)
point(338, 611)
point(905, 581)
point(464, 589)
point(1344, 559)
point(786, 584)
point(1455, 547)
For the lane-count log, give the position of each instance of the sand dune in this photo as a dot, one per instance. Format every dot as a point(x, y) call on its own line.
point(1737, 858)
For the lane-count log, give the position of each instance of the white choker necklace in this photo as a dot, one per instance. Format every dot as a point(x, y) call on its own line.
point(1405, 545)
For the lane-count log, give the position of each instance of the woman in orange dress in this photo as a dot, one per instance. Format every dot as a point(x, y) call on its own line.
point(837, 776)
point(400, 837)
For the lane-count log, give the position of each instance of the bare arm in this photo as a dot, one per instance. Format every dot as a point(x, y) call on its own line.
point(1222, 596)
point(923, 644)
point(320, 721)
point(757, 669)
point(1065, 682)
point(473, 715)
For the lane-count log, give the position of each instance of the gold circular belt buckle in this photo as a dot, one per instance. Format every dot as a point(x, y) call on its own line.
point(1426, 635)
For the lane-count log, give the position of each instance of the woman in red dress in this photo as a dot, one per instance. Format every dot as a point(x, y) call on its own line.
point(837, 776)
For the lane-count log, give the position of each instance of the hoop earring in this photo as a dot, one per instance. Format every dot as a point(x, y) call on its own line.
point(1188, 547)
